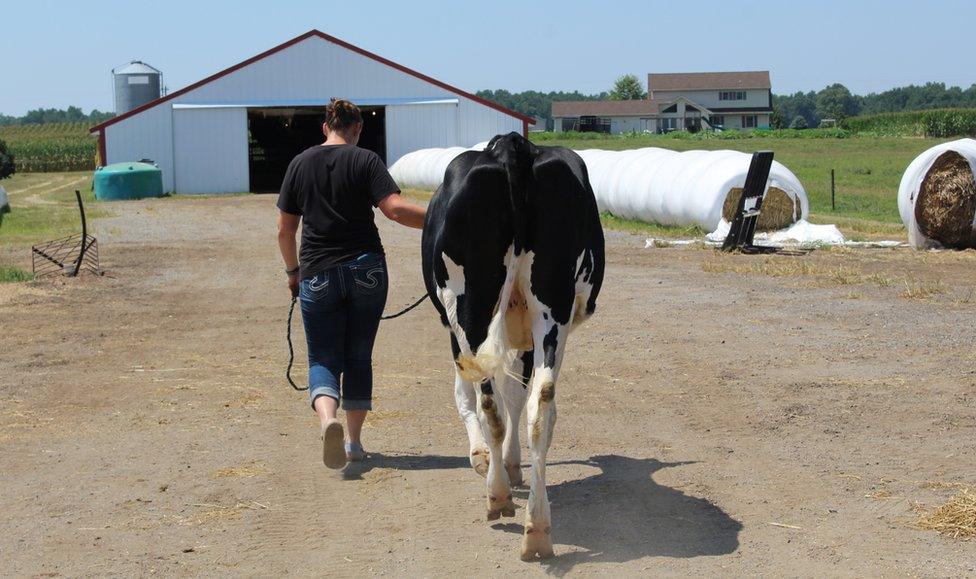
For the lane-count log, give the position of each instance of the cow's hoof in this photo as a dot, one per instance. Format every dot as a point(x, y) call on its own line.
point(480, 459)
point(514, 474)
point(536, 542)
point(500, 507)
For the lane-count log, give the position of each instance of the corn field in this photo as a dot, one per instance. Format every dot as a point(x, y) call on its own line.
point(51, 147)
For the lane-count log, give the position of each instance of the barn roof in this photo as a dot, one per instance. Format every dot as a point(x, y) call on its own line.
point(296, 40)
point(708, 80)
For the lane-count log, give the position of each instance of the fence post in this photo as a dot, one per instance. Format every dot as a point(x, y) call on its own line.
point(833, 203)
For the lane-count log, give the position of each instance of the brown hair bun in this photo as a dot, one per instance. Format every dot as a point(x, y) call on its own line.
point(341, 115)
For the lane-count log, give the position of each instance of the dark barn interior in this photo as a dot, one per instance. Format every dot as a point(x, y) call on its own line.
point(276, 135)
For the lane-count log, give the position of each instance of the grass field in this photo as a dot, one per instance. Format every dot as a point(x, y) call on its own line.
point(51, 147)
point(867, 171)
point(44, 207)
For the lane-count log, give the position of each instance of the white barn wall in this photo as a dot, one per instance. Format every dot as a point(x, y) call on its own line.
point(412, 127)
point(479, 123)
point(631, 124)
point(306, 73)
point(210, 147)
point(148, 135)
point(312, 69)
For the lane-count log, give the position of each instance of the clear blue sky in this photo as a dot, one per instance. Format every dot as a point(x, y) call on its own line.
point(55, 54)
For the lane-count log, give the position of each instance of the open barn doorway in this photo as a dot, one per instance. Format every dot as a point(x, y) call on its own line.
point(276, 135)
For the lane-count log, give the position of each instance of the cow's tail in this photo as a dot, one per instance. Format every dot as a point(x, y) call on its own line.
point(518, 158)
point(494, 355)
point(497, 352)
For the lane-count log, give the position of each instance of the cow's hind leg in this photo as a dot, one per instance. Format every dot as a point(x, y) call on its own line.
point(491, 412)
point(516, 389)
point(550, 340)
point(464, 396)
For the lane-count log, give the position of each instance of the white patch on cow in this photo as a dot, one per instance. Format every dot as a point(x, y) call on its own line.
point(448, 295)
point(494, 355)
point(584, 289)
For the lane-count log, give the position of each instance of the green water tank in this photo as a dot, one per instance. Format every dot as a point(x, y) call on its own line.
point(128, 181)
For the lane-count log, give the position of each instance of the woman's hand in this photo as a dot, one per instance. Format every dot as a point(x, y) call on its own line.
point(293, 284)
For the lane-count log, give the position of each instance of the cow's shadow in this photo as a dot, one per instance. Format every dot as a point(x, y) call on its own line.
point(621, 515)
point(356, 470)
point(615, 516)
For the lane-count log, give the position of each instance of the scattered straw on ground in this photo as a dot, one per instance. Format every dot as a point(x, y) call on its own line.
point(778, 209)
point(947, 202)
point(922, 289)
point(249, 470)
point(785, 267)
point(956, 518)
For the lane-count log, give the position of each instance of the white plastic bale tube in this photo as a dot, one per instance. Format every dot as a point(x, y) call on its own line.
point(653, 185)
point(425, 168)
point(937, 197)
point(689, 188)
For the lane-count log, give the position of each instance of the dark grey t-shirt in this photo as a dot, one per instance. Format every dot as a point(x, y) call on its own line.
point(334, 188)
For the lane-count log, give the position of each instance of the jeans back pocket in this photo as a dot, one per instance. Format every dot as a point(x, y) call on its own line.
point(369, 275)
point(315, 288)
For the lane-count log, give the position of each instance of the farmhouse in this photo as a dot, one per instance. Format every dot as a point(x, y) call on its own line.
point(238, 129)
point(677, 102)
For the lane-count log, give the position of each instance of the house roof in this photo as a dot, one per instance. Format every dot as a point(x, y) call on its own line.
point(604, 108)
point(296, 40)
point(708, 80)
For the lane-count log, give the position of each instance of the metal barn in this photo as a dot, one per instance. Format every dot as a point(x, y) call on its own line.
point(238, 129)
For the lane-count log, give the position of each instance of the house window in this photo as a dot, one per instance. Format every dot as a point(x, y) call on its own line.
point(717, 120)
point(748, 121)
point(732, 95)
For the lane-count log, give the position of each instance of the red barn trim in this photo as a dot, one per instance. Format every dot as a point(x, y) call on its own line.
point(524, 118)
point(102, 155)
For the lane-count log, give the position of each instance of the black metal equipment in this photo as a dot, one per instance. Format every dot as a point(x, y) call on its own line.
point(743, 227)
point(69, 255)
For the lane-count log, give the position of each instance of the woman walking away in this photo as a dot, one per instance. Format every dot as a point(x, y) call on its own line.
point(340, 275)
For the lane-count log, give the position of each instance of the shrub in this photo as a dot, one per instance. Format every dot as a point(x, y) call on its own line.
point(6, 161)
point(798, 123)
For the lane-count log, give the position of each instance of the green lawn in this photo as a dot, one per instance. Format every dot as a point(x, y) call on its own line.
point(868, 171)
point(43, 206)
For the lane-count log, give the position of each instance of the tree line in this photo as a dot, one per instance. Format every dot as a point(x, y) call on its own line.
point(45, 116)
point(798, 110)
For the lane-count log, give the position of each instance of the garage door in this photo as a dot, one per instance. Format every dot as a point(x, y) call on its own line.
point(210, 150)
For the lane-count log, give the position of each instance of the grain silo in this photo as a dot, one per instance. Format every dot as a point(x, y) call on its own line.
point(136, 84)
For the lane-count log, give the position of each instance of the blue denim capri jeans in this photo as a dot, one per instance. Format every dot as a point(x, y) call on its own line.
point(341, 309)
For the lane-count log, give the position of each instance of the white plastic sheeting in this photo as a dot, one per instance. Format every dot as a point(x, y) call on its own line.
point(911, 181)
point(672, 188)
point(651, 184)
point(800, 233)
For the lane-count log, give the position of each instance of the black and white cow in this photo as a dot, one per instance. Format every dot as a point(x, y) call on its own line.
point(513, 261)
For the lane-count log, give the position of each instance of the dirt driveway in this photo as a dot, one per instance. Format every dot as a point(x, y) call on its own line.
point(718, 416)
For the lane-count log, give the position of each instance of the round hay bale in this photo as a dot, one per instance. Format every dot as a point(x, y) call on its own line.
point(779, 211)
point(946, 202)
